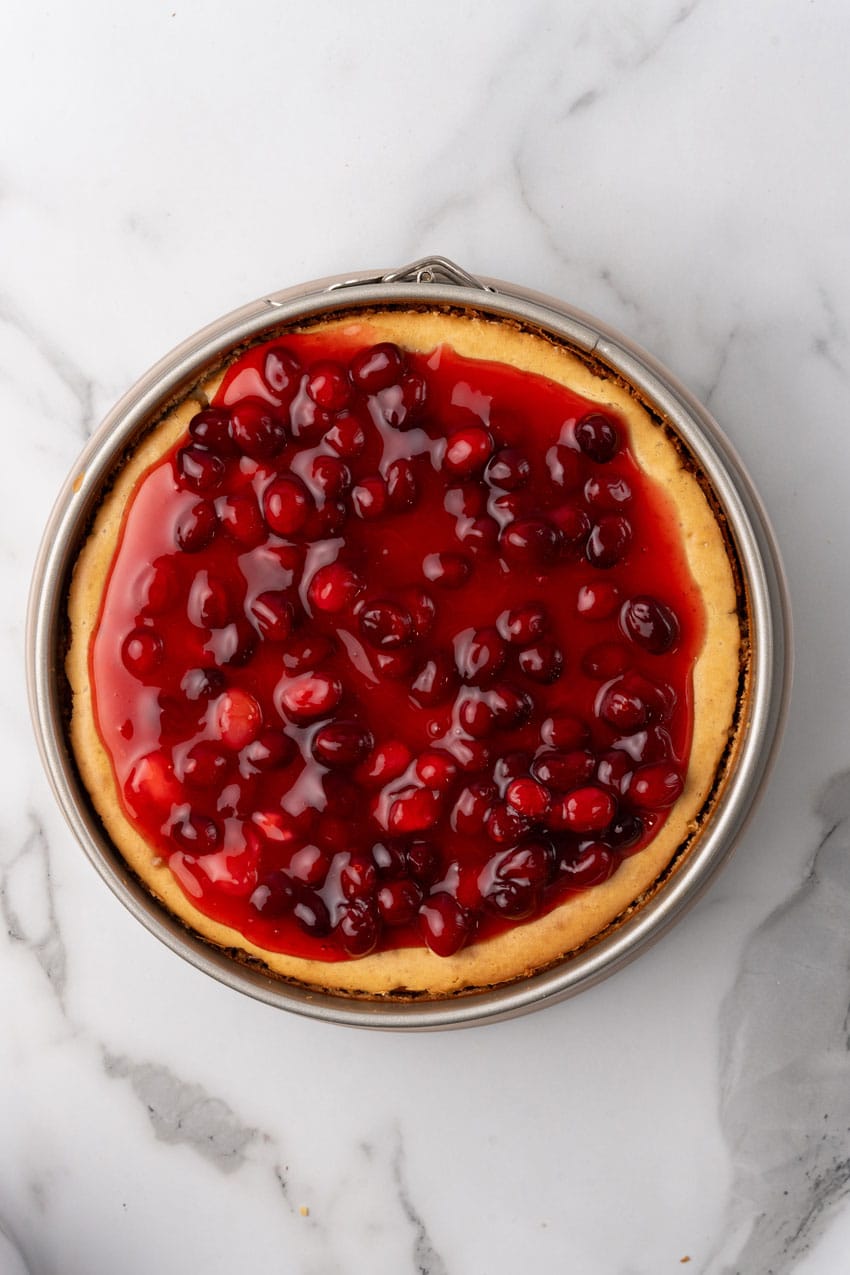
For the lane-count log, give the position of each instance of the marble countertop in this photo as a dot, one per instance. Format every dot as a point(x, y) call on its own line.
point(677, 168)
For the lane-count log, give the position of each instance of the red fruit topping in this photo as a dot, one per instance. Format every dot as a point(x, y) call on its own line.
point(597, 437)
point(282, 373)
point(274, 615)
point(211, 428)
point(444, 924)
point(333, 588)
point(468, 451)
point(530, 541)
point(309, 696)
point(378, 627)
point(378, 367)
point(609, 540)
point(369, 497)
point(199, 470)
point(328, 386)
point(597, 601)
point(239, 719)
point(508, 469)
point(655, 787)
point(528, 797)
point(450, 570)
point(543, 662)
point(255, 429)
point(584, 810)
point(142, 652)
point(341, 744)
point(523, 625)
point(286, 505)
point(196, 527)
point(650, 624)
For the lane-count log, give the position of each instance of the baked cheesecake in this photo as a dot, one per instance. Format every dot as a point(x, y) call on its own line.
point(406, 654)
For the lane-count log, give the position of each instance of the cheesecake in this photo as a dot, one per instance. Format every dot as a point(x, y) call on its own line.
point(407, 653)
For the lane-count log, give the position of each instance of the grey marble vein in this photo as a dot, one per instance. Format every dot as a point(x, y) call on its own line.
point(785, 1063)
point(28, 873)
point(80, 386)
point(181, 1112)
point(426, 1259)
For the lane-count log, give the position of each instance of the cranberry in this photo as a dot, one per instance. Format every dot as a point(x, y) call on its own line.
point(211, 428)
point(656, 786)
point(275, 896)
point(444, 924)
point(307, 421)
point(205, 765)
point(241, 519)
point(255, 429)
point(598, 438)
point(434, 682)
point(624, 708)
point(563, 731)
point(398, 902)
point(331, 476)
point(358, 877)
point(573, 525)
point(422, 862)
point(479, 654)
point(475, 715)
point(158, 587)
point(414, 393)
point(531, 863)
point(513, 900)
point(196, 527)
point(273, 614)
point(142, 652)
point(564, 467)
point(505, 824)
point(543, 662)
point(607, 491)
point(239, 718)
point(152, 784)
point(199, 469)
point(357, 929)
point(389, 858)
point(650, 624)
point(377, 368)
point(597, 601)
point(402, 491)
point(414, 810)
point(282, 373)
point(509, 706)
point(209, 602)
point(328, 385)
point(451, 570)
point(333, 588)
point(346, 436)
point(614, 770)
point(277, 827)
point(286, 505)
point(311, 913)
point(564, 769)
point(436, 768)
point(528, 797)
point(309, 696)
point(510, 766)
point(530, 541)
point(341, 744)
point(386, 762)
point(197, 834)
point(508, 469)
point(369, 497)
point(591, 865)
point(587, 809)
point(625, 832)
point(609, 540)
point(385, 625)
point(523, 624)
point(473, 807)
point(468, 451)
point(201, 683)
point(309, 866)
point(271, 750)
point(605, 660)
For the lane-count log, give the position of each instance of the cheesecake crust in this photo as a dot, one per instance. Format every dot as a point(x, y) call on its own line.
point(718, 678)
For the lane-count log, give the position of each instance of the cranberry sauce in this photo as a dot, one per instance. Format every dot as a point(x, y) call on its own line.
point(396, 649)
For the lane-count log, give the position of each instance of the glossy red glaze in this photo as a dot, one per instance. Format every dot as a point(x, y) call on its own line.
point(349, 662)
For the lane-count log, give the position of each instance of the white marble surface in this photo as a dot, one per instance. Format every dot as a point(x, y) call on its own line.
point(677, 167)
